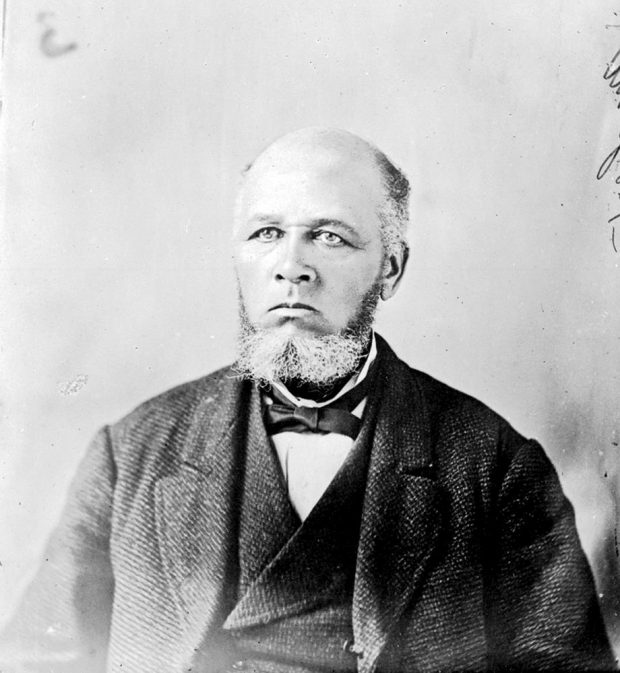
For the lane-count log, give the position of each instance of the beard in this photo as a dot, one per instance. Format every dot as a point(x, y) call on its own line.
point(266, 355)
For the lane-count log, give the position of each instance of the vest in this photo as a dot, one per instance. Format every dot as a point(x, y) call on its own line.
point(295, 580)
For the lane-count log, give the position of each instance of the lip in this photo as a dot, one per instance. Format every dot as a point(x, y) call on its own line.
point(292, 310)
point(293, 306)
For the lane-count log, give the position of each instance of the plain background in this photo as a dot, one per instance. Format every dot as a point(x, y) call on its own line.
point(125, 126)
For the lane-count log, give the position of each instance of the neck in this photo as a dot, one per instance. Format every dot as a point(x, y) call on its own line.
point(319, 392)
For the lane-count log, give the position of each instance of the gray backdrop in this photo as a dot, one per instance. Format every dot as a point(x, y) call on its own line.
point(125, 125)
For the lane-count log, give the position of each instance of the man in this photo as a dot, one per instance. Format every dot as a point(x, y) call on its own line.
point(320, 506)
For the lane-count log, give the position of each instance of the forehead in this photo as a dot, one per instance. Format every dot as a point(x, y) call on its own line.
point(312, 182)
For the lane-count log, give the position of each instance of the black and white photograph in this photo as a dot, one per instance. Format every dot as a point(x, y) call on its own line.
point(310, 336)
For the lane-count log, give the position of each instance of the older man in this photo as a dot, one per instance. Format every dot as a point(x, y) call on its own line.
point(320, 506)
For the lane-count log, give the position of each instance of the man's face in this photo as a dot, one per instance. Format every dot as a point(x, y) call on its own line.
point(308, 245)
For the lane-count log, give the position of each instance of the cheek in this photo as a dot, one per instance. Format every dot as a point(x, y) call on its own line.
point(250, 269)
point(347, 289)
point(246, 262)
point(249, 287)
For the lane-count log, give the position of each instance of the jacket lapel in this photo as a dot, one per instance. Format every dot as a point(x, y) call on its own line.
point(196, 511)
point(401, 513)
point(266, 519)
point(197, 519)
point(315, 560)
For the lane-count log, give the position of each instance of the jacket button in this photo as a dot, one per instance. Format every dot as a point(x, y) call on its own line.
point(238, 665)
point(350, 647)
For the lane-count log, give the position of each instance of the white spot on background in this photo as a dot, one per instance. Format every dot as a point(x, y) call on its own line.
point(74, 385)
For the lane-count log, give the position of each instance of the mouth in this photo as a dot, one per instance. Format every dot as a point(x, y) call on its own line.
point(292, 311)
point(292, 307)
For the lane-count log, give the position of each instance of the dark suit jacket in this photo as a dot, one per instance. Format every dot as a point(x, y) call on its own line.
point(468, 555)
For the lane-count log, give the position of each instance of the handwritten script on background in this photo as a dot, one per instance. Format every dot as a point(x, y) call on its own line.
point(612, 77)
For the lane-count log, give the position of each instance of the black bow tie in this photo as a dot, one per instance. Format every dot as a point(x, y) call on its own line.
point(284, 416)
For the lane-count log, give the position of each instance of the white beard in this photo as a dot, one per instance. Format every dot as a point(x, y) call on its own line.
point(268, 355)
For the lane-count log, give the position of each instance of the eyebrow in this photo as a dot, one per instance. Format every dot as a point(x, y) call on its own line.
point(330, 222)
point(272, 219)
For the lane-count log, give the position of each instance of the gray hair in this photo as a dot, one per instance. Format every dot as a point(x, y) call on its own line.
point(394, 213)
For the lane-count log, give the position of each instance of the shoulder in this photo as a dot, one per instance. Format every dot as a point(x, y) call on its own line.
point(458, 425)
point(180, 400)
point(475, 453)
point(442, 403)
point(162, 425)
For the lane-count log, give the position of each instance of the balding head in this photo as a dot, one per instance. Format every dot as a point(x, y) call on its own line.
point(339, 150)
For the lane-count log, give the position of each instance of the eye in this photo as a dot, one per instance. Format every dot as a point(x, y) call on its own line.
point(329, 238)
point(266, 234)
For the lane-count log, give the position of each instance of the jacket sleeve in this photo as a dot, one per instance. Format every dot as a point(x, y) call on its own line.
point(542, 609)
point(63, 621)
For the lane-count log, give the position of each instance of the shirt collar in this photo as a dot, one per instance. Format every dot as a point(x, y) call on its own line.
point(358, 377)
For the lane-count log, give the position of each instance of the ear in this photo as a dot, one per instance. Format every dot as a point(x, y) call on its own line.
point(393, 270)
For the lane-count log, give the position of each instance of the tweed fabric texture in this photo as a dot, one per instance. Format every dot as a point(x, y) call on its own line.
point(468, 556)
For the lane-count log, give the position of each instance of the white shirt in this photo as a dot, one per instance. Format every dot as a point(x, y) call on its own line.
point(310, 461)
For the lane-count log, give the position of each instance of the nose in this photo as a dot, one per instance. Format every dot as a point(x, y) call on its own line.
point(293, 264)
